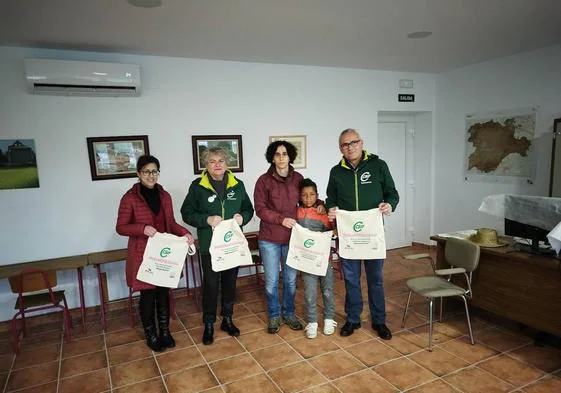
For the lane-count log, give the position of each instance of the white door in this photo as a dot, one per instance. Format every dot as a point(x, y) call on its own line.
point(395, 146)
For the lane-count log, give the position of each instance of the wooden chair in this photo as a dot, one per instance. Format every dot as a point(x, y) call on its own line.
point(252, 242)
point(35, 293)
point(334, 257)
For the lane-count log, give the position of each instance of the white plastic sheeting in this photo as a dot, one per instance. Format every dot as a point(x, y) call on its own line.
point(541, 212)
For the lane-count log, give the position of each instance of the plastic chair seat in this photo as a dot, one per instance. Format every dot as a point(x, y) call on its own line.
point(463, 258)
point(433, 287)
point(38, 299)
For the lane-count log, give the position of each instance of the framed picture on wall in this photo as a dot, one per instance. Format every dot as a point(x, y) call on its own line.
point(299, 141)
point(18, 164)
point(232, 144)
point(555, 174)
point(114, 157)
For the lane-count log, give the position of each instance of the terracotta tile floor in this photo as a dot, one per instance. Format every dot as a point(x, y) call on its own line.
point(502, 360)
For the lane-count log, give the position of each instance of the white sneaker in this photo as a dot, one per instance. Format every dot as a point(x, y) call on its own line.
point(311, 330)
point(329, 326)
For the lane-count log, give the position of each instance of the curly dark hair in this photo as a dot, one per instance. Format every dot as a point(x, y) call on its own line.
point(145, 160)
point(307, 182)
point(272, 149)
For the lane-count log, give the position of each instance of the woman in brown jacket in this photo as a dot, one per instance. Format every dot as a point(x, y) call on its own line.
point(276, 198)
point(144, 210)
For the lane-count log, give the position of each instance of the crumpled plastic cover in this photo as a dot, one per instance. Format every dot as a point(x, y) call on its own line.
point(541, 212)
point(554, 238)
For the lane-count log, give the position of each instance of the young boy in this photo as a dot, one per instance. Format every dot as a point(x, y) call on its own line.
point(308, 217)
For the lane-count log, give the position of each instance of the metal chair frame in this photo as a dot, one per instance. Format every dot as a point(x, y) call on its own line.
point(468, 294)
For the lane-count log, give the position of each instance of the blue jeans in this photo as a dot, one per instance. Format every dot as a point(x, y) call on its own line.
point(375, 283)
point(272, 255)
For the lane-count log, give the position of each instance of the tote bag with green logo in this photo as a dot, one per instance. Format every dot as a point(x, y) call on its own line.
point(163, 260)
point(361, 234)
point(228, 247)
point(309, 251)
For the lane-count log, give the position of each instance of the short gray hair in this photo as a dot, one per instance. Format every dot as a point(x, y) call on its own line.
point(214, 151)
point(348, 131)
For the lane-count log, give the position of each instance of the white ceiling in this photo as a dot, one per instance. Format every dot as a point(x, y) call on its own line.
point(368, 34)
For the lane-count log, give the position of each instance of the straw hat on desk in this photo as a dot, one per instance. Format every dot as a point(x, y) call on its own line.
point(487, 237)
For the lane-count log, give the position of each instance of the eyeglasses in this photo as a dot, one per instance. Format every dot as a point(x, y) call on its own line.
point(350, 144)
point(148, 173)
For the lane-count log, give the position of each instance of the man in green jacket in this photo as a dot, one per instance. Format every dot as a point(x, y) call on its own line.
point(215, 196)
point(361, 181)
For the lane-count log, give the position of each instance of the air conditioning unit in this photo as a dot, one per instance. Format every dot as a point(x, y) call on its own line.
point(82, 78)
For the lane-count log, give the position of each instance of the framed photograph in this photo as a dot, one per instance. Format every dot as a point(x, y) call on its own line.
point(300, 142)
point(114, 157)
point(18, 164)
point(555, 173)
point(231, 143)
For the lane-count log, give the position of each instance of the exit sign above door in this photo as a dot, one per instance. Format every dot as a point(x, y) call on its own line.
point(406, 98)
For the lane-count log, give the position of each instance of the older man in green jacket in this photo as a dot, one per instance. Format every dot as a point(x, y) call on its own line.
point(361, 181)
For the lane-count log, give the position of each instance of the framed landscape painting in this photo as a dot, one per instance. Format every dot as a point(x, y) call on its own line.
point(114, 157)
point(18, 164)
point(232, 144)
point(299, 141)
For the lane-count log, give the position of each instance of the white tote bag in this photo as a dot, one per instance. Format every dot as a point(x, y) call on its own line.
point(361, 234)
point(228, 246)
point(163, 260)
point(309, 251)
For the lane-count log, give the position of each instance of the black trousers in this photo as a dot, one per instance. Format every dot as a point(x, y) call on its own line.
point(211, 282)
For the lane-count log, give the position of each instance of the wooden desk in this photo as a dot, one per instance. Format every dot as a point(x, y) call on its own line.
point(519, 286)
point(96, 259)
point(77, 262)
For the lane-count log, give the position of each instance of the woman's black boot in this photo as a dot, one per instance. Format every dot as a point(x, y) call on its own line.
point(152, 339)
point(147, 311)
point(162, 303)
point(208, 334)
point(229, 327)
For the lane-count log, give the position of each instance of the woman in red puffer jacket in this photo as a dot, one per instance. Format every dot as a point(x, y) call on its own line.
point(144, 210)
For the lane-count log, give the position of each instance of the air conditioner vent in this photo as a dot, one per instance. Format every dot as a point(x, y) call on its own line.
point(79, 78)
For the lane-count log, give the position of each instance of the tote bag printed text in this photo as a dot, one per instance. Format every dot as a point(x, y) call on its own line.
point(228, 247)
point(163, 260)
point(361, 234)
point(309, 251)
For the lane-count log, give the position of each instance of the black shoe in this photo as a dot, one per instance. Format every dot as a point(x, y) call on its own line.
point(229, 327)
point(208, 334)
point(293, 323)
point(382, 331)
point(349, 328)
point(152, 339)
point(273, 326)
